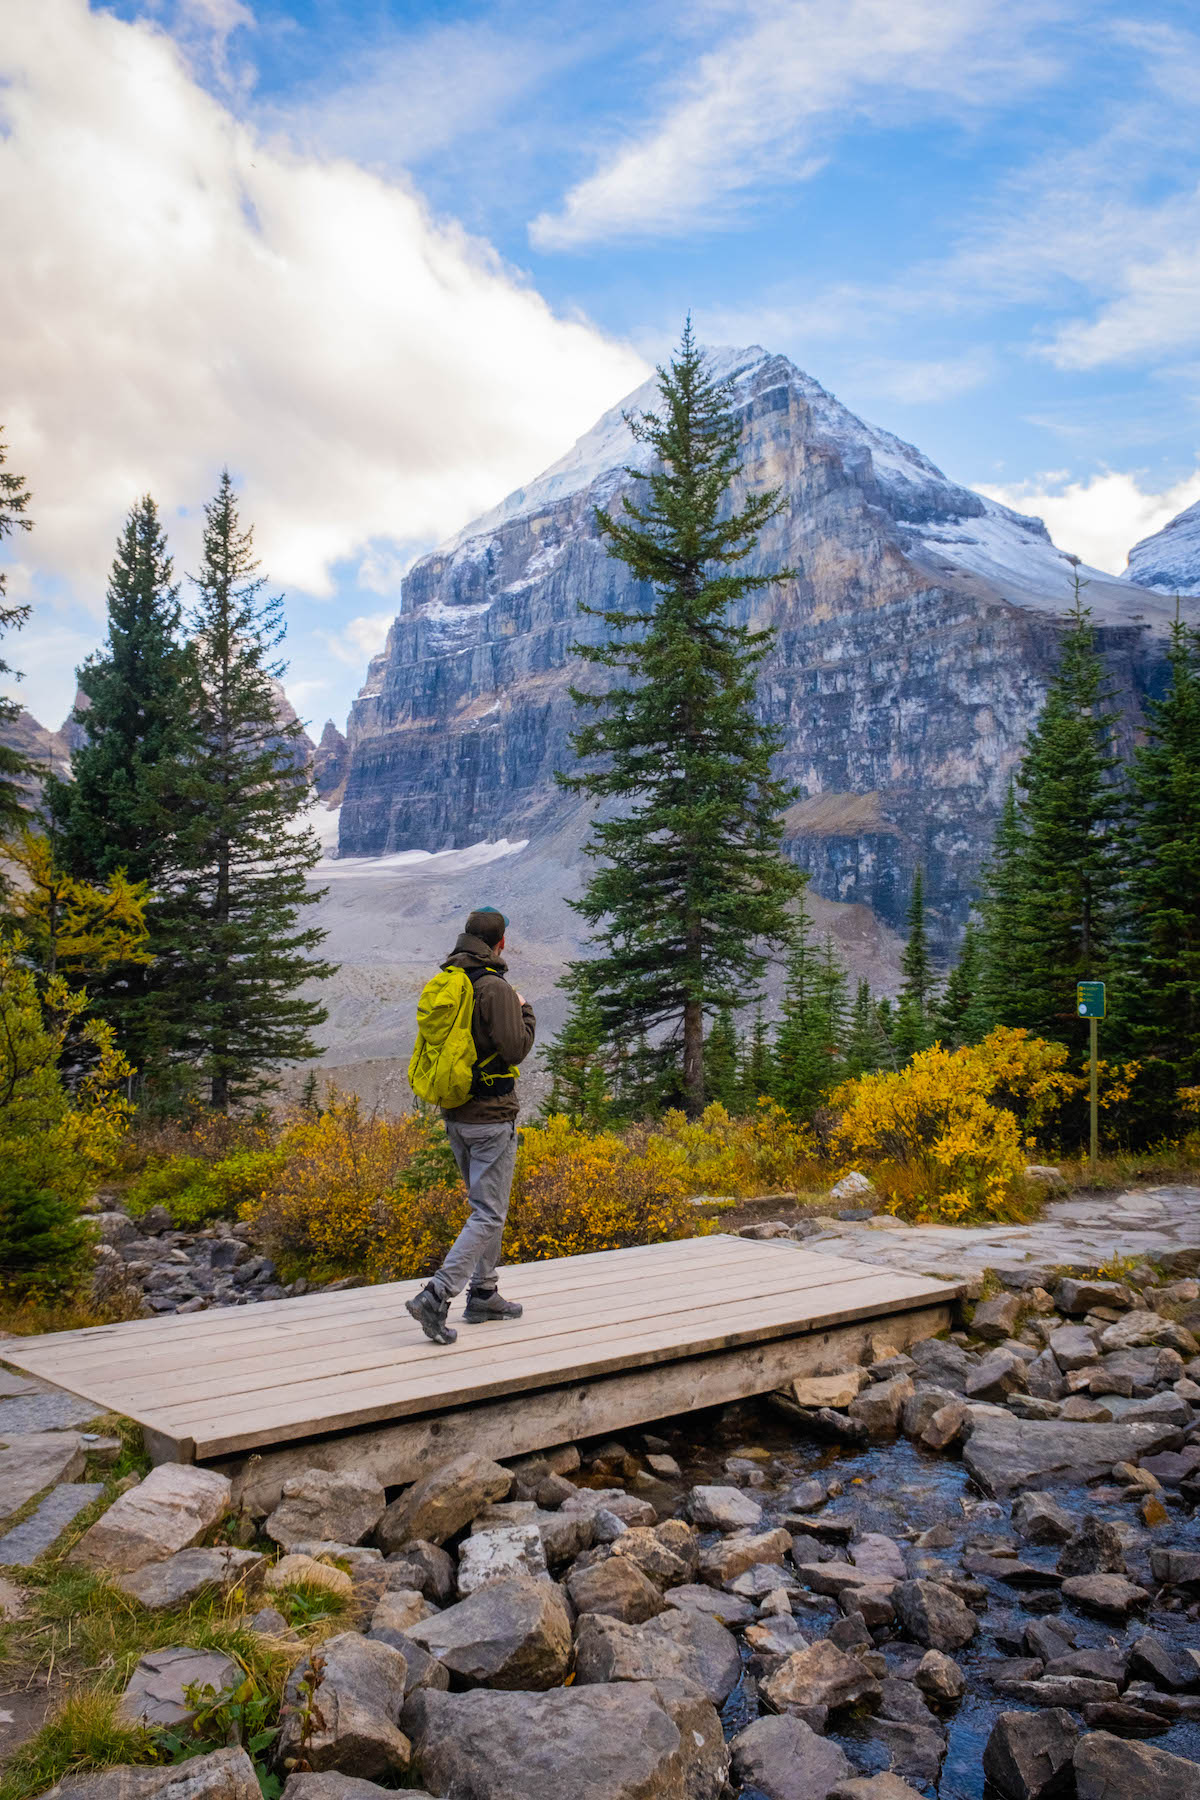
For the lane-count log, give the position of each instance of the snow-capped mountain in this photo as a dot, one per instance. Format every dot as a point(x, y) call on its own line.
point(912, 650)
point(1169, 562)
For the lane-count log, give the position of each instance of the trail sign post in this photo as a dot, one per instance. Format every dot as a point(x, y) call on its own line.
point(1091, 1004)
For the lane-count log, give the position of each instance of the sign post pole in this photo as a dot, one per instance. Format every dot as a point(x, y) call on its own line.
point(1091, 1004)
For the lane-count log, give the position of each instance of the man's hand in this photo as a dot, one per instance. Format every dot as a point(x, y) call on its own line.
point(520, 1000)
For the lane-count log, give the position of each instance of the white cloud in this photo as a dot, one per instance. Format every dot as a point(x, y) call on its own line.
point(757, 105)
point(178, 293)
point(359, 639)
point(1100, 519)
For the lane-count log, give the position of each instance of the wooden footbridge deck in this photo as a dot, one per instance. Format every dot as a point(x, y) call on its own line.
point(607, 1340)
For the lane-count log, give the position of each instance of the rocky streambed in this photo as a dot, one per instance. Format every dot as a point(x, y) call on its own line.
point(969, 1570)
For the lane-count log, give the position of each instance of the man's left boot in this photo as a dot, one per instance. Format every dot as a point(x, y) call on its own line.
point(486, 1304)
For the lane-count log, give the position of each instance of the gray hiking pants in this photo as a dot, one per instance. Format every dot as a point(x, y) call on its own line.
point(485, 1155)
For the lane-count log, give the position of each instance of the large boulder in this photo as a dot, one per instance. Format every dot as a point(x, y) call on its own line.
point(37, 1460)
point(341, 1506)
point(1039, 1519)
point(1004, 1453)
point(509, 1634)
point(342, 1708)
point(169, 1510)
point(933, 1615)
point(730, 1557)
point(495, 1555)
point(997, 1318)
point(655, 1556)
point(1109, 1768)
point(724, 1509)
point(821, 1675)
point(443, 1503)
point(880, 1407)
point(225, 1774)
point(1028, 1754)
point(330, 1785)
point(181, 1578)
point(157, 1691)
point(426, 1567)
point(675, 1646)
point(616, 1587)
point(785, 1759)
point(632, 1740)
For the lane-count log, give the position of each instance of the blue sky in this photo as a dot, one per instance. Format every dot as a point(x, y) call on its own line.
point(388, 260)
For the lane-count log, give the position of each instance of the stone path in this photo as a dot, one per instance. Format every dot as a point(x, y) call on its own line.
point(1145, 1222)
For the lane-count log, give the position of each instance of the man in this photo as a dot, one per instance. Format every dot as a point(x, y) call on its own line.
point(482, 1133)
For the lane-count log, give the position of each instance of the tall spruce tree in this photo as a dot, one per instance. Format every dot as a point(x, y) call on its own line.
point(722, 1077)
point(577, 1060)
point(1001, 911)
point(14, 502)
point(758, 1066)
point(692, 889)
point(1068, 873)
point(959, 1016)
point(813, 1029)
point(868, 1046)
point(912, 1028)
point(115, 812)
point(238, 863)
point(1158, 999)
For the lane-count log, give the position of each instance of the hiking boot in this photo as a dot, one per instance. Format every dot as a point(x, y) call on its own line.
point(482, 1307)
point(430, 1310)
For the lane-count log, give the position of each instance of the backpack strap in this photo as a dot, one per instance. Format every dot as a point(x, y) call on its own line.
point(499, 1081)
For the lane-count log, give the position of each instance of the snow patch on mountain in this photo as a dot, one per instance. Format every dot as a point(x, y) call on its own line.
point(1169, 562)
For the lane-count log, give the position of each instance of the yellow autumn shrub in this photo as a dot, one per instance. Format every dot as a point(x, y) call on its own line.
point(767, 1150)
point(576, 1191)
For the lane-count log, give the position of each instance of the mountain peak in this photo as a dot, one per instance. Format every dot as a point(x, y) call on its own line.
point(1168, 562)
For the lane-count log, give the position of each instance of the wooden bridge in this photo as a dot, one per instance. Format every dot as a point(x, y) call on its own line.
point(607, 1341)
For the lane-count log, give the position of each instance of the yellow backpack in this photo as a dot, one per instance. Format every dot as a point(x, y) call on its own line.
point(442, 1067)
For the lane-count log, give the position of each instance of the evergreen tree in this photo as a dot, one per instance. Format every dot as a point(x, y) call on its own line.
point(1158, 997)
point(867, 1045)
point(722, 1081)
point(912, 1031)
point(1001, 959)
point(1068, 872)
point(813, 1028)
point(958, 1016)
point(236, 877)
point(14, 499)
point(577, 1059)
point(758, 1066)
point(115, 812)
point(692, 890)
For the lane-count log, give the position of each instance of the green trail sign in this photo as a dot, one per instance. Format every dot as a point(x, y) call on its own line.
point(1090, 1000)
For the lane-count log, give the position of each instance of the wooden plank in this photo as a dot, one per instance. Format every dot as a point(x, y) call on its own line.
point(393, 1340)
point(403, 1452)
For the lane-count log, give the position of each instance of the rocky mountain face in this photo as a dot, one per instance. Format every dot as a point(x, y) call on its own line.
point(331, 763)
point(1169, 562)
point(912, 650)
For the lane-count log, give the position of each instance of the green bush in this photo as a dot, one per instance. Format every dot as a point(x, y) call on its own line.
point(45, 1245)
point(195, 1192)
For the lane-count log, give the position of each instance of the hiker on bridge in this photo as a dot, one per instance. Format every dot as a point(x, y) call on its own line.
point(472, 1033)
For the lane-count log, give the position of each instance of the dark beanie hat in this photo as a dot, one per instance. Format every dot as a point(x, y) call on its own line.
point(488, 923)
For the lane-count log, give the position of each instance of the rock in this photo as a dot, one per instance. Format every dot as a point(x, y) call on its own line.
point(626, 1507)
point(947, 1425)
point(1045, 1377)
point(761, 1579)
point(676, 1646)
point(925, 1402)
point(1124, 1718)
point(940, 1676)
point(655, 1558)
point(225, 1774)
point(913, 1750)
point(1110, 1595)
point(832, 1577)
point(1074, 1347)
point(330, 1785)
point(443, 1503)
point(1048, 1638)
point(156, 1694)
point(724, 1509)
point(874, 1787)
point(21, 1547)
point(1108, 1768)
point(878, 1408)
point(115, 1227)
point(1079, 1407)
point(627, 1741)
point(732, 1556)
point(1154, 1659)
point(615, 1587)
point(169, 1510)
point(351, 1722)
point(29, 1464)
point(997, 1318)
point(830, 1390)
point(728, 1609)
point(1095, 1549)
point(872, 1602)
point(513, 1633)
point(932, 1615)
point(879, 1557)
point(999, 1373)
point(270, 1623)
point(1139, 1328)
point(1079, 1297)
point(306, 1571)
point(1175, 1568)
point(1171, 1467)
point(426, 1567)
point(28, 1415)
point(1003, 1453)
point(775, 1638)
point(904, 1703)
point(496, 1555)
point(854, 1187)
point(821, 1675)
point(784, 1759)
point(160, 1585)
point(396, 1612)
point(343, 1506)
point(1028, 1756)
point(1059, 1690)
point(1093, 1664)
point(1039, 1519)
point(943, 1364)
